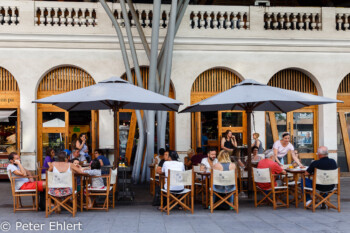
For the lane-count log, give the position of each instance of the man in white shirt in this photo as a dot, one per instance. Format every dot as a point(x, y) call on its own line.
point(208, 163)
point(174, 165)
point(26, 182)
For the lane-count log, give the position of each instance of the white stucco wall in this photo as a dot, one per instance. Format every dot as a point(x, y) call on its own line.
point(30, 51)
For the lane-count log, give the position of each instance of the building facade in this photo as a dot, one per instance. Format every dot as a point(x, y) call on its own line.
point(53, 47)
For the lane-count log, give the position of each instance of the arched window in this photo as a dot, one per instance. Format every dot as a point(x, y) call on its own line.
point(343, 126)
point(208, 127)
point(9, 118)
point(128, 120)
point(302, 123)
point(57, 128)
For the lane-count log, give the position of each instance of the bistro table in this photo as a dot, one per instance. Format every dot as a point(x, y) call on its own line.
point(205, 176)
point(296, 172)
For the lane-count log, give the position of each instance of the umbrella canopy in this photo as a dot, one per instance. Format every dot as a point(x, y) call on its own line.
point(251, 95)
point(255, 96)
point(114, 93)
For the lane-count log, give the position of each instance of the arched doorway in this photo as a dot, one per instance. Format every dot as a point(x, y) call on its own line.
point(10, 140)
point(343, 126)
point(128, 123)
point(58, 128)
point(209, 127)
point(302, 123)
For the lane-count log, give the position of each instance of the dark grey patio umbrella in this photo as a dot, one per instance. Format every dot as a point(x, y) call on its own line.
point(251, 95)
point(114, 93)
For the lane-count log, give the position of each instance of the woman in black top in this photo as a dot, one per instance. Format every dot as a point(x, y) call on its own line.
point(228, 143)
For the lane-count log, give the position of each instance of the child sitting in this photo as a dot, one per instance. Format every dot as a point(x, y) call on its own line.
point(96, 183)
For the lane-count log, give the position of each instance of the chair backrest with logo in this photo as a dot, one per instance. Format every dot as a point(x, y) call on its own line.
point(224, 178)
point(178, 178)
point(262, 175)
point(326, 177)
point(114, 174)
point(59, 180)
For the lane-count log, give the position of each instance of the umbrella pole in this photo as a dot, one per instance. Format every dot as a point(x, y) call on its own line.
point(249, 143)
point(116, 136)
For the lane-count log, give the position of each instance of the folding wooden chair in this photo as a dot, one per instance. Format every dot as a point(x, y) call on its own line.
point(60, 180)
point(18, 194)
point(178, 178)
point(198, 184)
point(223, 178)
point(113, 183)
point(243, 177)
point(264, 175)
point(96, 192)
point(323, 177)
point(154, 179)
point(39, 168)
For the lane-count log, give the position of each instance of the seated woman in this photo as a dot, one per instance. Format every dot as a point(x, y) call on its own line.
point(96, 183)
point(49, 158)
point(224, 164)
point(188, 162)
point(61, 166)
point(101, 158)
point(255, 158)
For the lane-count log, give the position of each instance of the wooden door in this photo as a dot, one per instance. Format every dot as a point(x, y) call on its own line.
point(303, 127)
point(53, 131)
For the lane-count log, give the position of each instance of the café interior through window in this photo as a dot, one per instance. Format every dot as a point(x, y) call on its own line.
point(8, 131)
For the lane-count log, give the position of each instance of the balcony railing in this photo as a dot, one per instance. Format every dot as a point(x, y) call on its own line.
point(77, 18)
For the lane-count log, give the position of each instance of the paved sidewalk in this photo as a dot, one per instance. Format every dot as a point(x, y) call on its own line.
point(145, 218)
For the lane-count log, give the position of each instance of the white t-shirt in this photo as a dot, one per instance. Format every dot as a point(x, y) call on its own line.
point(20, 181)
point(176, 166)
point(96, 182)
point(282, 151)
point(207, 165)
point(81, 157)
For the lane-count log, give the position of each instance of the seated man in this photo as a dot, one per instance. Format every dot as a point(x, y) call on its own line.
point(324, 163)
point(173, 164)
point(17, 170)
point(160, 165)
point(76, 154)
point(208, 163)
point(104, 161)
point(269, 162)
point(197, 159)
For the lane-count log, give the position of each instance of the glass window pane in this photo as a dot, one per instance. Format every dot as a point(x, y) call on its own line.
point(80, 122)
point(342, 161)
point(281, 121)
point(303, 125)
point(232, 119)
point(124, 127)
point(210, 125)
point(8, 131)
point(238, 136)
point(54, 141)
point(269, 137)
point(53, 119)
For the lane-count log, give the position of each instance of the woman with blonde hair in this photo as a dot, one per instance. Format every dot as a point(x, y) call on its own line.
point(257, 143)
point(188, 162)
point(224, 164)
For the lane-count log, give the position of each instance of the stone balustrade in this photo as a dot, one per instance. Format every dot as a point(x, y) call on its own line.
point(60, 14)
point(219, 17)
point(342, 19)
point(199, 21)
point(292, 18)
point(144, 13)
point(9, 15)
